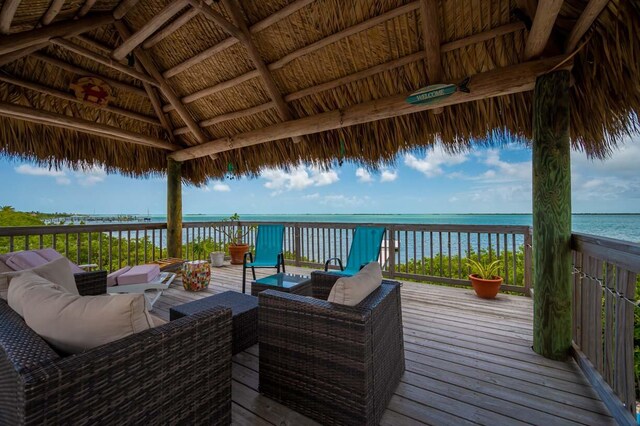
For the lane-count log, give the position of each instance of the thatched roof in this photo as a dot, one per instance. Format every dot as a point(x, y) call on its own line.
point(302, 58)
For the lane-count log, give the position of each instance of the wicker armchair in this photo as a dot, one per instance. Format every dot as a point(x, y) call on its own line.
point(336, 364)
point(178, 373)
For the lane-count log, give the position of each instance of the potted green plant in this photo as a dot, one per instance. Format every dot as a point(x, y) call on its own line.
point(203, 248)
point(235, 236)
point(484, 278)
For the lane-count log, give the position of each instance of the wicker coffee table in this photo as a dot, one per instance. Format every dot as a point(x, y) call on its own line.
point(289, 283)
point(244, 310)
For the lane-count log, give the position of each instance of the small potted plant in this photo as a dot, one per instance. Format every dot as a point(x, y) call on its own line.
point(235, 235)
point(207, 247)
point(484, 278)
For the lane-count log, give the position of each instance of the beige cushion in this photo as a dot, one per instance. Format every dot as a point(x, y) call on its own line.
point(352, 290)
point(73, 323)
point(57, 271)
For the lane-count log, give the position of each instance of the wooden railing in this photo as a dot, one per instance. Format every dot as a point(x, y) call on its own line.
point(604, 291)
point(433, 253)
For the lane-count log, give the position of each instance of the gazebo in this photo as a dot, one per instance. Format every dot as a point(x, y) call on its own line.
point(208, 89)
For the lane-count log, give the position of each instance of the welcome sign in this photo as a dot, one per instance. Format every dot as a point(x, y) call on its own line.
point(436, 92)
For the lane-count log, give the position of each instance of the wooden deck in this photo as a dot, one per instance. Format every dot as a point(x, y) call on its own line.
point(469, 361)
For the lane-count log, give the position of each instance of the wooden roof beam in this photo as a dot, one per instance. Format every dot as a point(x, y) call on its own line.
point(148, 29)
point(86, 7)
point(18, 54)
point(229, 116)
point(217, 18)
point(431, 40)
point(91, 127)
point(106, 61)
point(258, 26)
point(13, 42)
point(123, 8)
point(52, 12)
point(81, 71)
point(172, 27)
point(499, 82)
point(543, 22)
point(446, 47)
point(68, 97)
point(584, 22)
point(9, 8)
point(166, 90)
point(274, 93)
point(156, 104)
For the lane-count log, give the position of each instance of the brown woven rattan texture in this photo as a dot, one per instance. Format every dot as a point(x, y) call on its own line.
point(179, 373)
point(336, 364)
point(244, 309)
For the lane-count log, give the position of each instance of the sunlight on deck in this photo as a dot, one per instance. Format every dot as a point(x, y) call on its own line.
point(469, 361)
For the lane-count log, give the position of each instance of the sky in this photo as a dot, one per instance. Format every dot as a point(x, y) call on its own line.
point(479, 181)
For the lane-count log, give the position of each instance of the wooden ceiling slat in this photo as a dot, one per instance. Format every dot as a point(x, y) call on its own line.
point(66, 122)
point(123, 8)
point(86, 7)
point(170, 29)
point(148, 29)
point(584, 22)
point(54, 8)
point(225, 44)
point(13, 42)
point(499, 82)
point(18, 54)
point(431, 41)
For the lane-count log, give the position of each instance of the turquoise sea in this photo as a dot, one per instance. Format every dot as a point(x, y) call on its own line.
point(620, 226)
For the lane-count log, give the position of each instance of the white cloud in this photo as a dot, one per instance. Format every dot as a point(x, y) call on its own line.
point(388, 176)
point(297, 179)
point(343, 200)
point(59, 175)
point(91, 176)
point(434, 161)
point(502, 171)
point(221, 187)
point(363, 175)
point(313, 196)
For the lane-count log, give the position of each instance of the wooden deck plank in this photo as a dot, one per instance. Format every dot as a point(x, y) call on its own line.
point(469, 361)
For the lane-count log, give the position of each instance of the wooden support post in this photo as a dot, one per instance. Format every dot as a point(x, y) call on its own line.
point(174, 208)
point(552, 216)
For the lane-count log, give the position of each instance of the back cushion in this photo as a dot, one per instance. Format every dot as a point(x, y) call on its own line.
point(57, 271)
point(112, 278)
point(4, 267)
point(22, 260)
point(72, 323)
point(352, 290)
point(50, 254)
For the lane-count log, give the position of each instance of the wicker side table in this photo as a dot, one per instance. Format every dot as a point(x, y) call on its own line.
point(288, 283)
point(244, 311)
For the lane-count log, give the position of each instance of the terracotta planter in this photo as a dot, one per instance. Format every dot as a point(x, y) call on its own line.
point(485, 289)
point(237, 253)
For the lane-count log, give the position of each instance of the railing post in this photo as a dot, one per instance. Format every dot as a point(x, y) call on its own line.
point(392, 250)
point(528, 264)
point(296, 243)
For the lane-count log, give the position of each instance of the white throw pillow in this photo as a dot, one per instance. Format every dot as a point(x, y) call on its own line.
point(352, 290)
point(57, 271)
point(73, 323)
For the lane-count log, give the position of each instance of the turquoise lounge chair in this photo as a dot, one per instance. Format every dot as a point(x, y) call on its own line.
point(268, 251)
point(365, 248)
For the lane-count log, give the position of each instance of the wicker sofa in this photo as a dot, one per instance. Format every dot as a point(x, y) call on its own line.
point(178, 373)
point(336, 364)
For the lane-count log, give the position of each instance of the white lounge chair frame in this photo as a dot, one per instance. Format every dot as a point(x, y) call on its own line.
point(151, 290)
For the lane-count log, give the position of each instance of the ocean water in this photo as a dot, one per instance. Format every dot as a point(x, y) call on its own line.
point(619, 226)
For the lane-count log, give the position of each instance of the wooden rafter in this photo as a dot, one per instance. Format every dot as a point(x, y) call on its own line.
point(446, 47)
point(499, 82)
point(17, 54)
point(148, 29)
point(86, 7)
point(274, 93)
point(431, 40)
point(9, 8)
point(172, 27)
point(85, 126)
point(81, 71)
point(167, 91)
point(301, 52)
point(54, 8)
point(106, 61)
point(13, 42)
point(229, 116)
point(584, 22)
point(123, 7)
point(217, 18)
point(543, 22)
point(68, 97)
point(225, 44)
